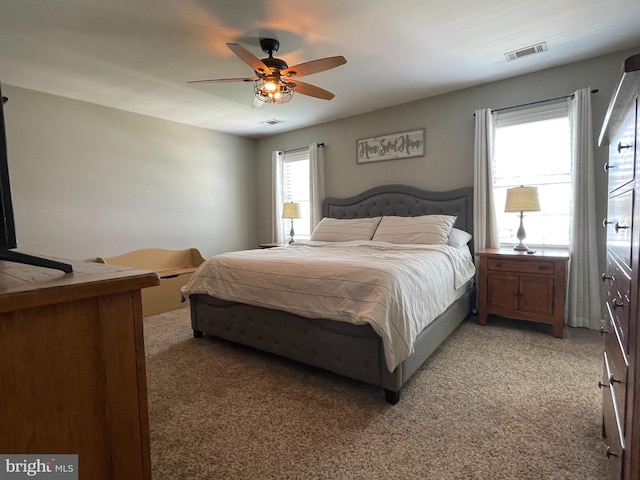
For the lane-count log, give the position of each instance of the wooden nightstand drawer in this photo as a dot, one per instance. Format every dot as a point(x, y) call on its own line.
point(524, 266)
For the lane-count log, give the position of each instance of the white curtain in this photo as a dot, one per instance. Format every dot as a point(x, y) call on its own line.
point(583, 296)
point(485, 225)
point(276, 200)
point(316, 178)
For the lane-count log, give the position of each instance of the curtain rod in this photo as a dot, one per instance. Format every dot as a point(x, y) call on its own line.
point(301, 148)
point(595, 90)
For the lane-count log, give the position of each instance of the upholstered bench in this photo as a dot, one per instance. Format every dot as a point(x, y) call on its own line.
point(174, 267)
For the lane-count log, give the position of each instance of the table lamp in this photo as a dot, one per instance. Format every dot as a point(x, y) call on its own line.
point(291, 210)
point(522, 199)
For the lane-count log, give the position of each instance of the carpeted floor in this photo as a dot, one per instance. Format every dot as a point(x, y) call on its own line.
point(507, 401)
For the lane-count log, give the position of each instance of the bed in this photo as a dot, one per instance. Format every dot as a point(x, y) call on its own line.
point(357, 351)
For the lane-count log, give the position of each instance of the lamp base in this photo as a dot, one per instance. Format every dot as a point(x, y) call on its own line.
point(521, 235)
point(291, 233)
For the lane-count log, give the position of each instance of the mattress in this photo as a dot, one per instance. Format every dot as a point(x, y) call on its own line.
point(397, 289)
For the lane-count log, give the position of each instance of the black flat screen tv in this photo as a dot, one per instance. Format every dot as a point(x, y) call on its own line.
point(7, 225)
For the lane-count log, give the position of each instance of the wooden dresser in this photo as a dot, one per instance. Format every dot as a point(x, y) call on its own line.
point(516, 284)
point(620, 382)
point(72, 367)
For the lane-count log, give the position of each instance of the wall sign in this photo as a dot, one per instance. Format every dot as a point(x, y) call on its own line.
point(390, 147)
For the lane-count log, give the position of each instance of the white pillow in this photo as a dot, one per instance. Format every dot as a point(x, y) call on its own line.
point(458, 238)
point(426, 229)
point(345, 229)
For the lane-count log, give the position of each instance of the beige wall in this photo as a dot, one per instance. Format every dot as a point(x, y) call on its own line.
point(449, 124)
point(91, 181)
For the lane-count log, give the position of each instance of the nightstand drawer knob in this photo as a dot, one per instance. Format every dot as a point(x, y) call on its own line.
point(610, 453)
point(602, 385)
point(605, 222)
point(603, 331)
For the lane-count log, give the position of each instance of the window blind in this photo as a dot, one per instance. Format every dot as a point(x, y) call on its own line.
point(296, 184)
point(532, 148)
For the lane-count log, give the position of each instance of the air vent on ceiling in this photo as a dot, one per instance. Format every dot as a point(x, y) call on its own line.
point(273, 121)
point(523, 52)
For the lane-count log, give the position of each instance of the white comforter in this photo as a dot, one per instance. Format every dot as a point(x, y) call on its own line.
point(397, 289)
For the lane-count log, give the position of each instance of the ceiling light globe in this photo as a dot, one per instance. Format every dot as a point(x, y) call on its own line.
point(268, 92)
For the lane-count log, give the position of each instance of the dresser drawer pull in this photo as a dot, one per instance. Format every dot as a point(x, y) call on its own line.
point(605, 222)
point(616, 305)
point(622, 147)
point(612, 379)
point(606, 277)
point(610, 453)
point(620, 227)
point(602, 385)
point(607, 166)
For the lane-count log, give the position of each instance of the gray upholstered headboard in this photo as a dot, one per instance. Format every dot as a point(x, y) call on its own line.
point(404, 201)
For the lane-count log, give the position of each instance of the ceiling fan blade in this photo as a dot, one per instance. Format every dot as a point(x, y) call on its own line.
point(314, 66)
point(224, 80)
point(249, 58)
point(311, 90)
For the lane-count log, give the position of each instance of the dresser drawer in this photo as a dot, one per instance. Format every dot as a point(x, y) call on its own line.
point(613, 423)
point(620, 165)
point(617, 288)
point(610, 278)
point(619, 217)
point(521, 266)
point(617, 363)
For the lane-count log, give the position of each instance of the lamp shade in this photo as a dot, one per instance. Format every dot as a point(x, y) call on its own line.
point(522, 199)
point(291, 210)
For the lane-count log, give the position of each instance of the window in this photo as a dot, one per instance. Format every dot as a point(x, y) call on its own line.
point(295, 188)
point(532, 147)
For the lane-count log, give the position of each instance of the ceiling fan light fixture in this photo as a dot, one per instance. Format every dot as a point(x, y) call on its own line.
point(271, 82)
point(269, 90)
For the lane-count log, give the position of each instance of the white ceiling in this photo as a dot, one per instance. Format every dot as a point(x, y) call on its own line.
point(138, 55)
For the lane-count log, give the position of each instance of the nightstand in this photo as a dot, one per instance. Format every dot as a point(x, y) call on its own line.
point(272, 245)
point(523, 286)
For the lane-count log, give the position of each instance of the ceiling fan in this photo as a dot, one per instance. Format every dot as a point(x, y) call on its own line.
point(275, 81)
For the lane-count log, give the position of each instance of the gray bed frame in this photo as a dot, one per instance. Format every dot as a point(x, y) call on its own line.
point(354, 351)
